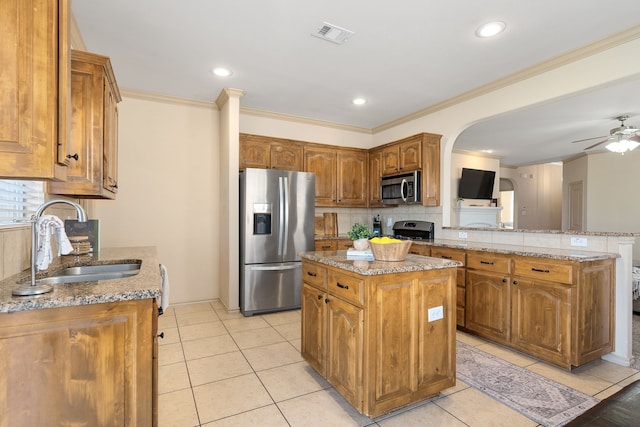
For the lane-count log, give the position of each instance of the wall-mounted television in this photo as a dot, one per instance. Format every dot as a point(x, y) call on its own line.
point(476, 184)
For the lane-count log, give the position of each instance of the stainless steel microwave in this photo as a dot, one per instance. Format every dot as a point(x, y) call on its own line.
point(400, 189)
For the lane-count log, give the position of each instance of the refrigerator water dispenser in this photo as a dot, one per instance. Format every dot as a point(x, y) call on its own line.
point(261, 218)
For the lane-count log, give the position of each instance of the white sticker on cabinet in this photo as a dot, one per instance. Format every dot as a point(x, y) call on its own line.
point(435, 313)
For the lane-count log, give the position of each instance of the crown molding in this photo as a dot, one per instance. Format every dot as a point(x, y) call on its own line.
point(149, 96)
point(541, 68)
point(304, 120)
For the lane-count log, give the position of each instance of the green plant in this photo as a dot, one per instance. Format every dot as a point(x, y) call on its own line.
point(359, 231)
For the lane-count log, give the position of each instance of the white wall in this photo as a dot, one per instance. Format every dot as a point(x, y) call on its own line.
point(168, 191)
point(612, 201)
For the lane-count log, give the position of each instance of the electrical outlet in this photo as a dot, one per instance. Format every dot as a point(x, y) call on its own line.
point(462, 234)
point(579, 241)
point(435, 313)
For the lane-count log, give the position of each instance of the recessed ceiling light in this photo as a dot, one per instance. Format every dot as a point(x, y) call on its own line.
point(359, 101)
point(222, 72)
point(491, 29)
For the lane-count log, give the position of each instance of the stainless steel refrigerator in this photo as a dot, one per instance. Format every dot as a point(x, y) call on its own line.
point(277, 210)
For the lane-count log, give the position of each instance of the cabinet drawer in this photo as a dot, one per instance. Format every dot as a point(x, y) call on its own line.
point(313, 274)
point(418, 249)
point(446, 253)
point(545, 269)
point(344, 244)
point(347, 287)
point(326, 245)
point(490, 262)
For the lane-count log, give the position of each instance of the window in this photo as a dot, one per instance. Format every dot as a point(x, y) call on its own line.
point(19, 200)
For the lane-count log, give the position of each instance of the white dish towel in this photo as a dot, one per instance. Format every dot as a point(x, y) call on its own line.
point(45, 227)
point(164, 298)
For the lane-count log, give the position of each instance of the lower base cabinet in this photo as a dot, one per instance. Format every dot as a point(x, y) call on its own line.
point(559, 311)
point(372, 337)
point(90, 365)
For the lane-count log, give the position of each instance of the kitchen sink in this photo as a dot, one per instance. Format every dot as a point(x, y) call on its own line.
point(90, 273)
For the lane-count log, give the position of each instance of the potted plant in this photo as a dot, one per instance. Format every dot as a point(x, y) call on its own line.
point(360, 234)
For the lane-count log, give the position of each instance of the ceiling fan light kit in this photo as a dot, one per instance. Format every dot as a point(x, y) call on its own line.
point(623, 138)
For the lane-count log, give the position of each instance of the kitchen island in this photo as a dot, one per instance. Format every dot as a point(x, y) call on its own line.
point(382, 333)
point(85, 353)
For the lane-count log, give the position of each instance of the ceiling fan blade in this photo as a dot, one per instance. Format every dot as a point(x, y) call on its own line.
point(589, 139)
point(596, 144)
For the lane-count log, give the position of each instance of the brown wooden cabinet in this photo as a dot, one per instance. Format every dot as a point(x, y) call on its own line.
point(418, 152)
point(401, 156)
point(35, 107)
point(379, 348)
point(265, 152)
point(461, 292)
point(333, 244)
point(93, 145)
point(82, 365)
point(418, 249)
point(560, 311)
point(375, 173)
point(340, 175)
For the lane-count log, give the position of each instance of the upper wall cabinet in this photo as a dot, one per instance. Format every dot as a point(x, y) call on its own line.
point(341, 175)
point(265, 152)
point(93, 146)
point(34, 106)
point(418, 152)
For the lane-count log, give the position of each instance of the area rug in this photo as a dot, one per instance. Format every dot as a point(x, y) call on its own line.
point(635, 344)
point(536, 397)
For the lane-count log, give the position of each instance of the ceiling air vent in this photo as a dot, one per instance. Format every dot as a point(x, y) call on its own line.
point(332, 33)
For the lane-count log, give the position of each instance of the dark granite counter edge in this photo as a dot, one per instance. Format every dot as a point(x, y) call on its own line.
point(145, 284)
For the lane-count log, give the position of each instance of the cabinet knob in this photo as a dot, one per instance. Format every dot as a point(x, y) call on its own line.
point(319, 296)
point(326, 300)
point(161, 335)
point(74, 156)
point(515, 282)
point(504, 280)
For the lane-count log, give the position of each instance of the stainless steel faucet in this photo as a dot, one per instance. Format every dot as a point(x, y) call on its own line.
point(33, 288)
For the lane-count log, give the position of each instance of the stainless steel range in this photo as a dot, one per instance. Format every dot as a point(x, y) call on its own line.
point(413, 230)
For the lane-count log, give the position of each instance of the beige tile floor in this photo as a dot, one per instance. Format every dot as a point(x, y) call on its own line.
point(221, 369)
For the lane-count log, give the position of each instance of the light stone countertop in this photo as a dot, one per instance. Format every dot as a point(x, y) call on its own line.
point(523, 250)
point(338, 259)
point(145, 284)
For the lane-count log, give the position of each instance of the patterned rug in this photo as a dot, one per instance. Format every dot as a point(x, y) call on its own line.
point(538, 398)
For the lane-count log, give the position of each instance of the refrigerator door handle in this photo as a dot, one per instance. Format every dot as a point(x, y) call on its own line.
point(285, 194)
point(275, 268)
point(281, 220)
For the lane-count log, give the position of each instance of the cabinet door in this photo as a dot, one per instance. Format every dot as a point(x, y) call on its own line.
point(313, 329)
point(286, 156)
point(94, 134)
point(417, 249)
point(410, 154)
point(352, 173)
point(323, 163)
point(35, 67)
point(345, 349)
point(488, 304)
point(254, 152)
point(435, 366)
point(89, 365)
point(390, 160)
point(375, 173)
point(344, 244)
point(540, 319)
point(431, 170)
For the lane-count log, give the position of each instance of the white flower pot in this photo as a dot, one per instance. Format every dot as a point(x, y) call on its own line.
point(361, 244)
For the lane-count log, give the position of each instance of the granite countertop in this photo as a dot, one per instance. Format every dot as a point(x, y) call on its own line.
point(338, 259)
point(523, 250)
point(567, 232)
point(145, 284)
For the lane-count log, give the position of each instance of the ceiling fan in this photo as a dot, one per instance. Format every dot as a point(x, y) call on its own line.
point(623, 138)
